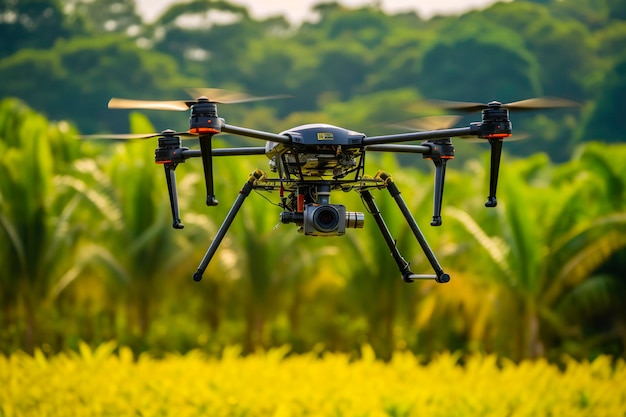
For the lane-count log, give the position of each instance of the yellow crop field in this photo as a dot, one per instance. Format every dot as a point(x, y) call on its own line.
point(111, 382)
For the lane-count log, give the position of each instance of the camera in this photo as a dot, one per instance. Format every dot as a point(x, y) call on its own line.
point(330, 220)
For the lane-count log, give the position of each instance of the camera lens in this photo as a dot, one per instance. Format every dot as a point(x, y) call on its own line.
point(326, 219)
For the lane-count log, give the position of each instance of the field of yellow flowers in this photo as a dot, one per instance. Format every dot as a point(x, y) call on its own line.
point(112, 382)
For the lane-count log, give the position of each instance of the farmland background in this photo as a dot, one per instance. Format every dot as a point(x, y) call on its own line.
point(87, 252)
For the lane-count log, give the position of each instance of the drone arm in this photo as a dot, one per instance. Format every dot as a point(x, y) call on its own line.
point(439, 151)
point(427, 135)
point(239, 151)
point(243, 194)
point(256, 134)
point(398, 148)
point(192, 153)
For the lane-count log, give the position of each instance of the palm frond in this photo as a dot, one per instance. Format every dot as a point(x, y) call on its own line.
point(14, 238)
point(496, 248)
point(582, 264)
point(597, 296)
point(101, 201)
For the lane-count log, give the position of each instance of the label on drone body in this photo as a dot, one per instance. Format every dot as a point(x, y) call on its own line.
point(325, 136)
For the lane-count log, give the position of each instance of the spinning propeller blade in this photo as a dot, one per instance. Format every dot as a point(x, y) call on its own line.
point(428, 123)
point(528, 104)
point(175, 105)
point(541, 103)
point(132, 136)
point(216, 95)
point(446, 122)
point(210, 95)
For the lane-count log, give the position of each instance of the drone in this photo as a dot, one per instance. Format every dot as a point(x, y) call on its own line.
point(308, 163)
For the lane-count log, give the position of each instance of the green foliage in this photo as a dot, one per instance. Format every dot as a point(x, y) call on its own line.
point(509, 51)
point(546, 242)
point(104, 16)
point(95, 258)
point(36, 232)
point(86, 247)
point(562, 46)
point(76, 69)
point(492, 50)
point(23, 22)
point(604, 121)
point(109, 380)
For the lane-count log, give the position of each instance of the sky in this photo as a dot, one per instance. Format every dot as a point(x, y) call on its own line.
point(297, 10)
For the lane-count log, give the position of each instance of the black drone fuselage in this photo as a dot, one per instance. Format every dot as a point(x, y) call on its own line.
point(316, 150)
point(310, 161)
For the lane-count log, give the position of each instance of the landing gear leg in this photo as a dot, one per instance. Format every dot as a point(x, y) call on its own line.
point(243, 194)
point(403, 265)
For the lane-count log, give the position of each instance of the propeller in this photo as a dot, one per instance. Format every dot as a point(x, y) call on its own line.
point(527, 104)
point(217, 95)
point(495, 127)
point(446, 122)
point(206, 95)
point(428, 123)
point(134, 136)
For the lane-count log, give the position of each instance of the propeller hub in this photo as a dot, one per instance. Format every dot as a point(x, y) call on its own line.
point(168, 132)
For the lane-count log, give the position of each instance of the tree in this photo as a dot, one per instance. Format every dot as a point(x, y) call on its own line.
point(208, 39)
point(37, 237)
point(545, 245)
point(561, 45)
point(131, 246)
point(23, 22)
point(594, 308)
point(502, 67)
point(105, 16)
point(75, 79)
point(603, 121)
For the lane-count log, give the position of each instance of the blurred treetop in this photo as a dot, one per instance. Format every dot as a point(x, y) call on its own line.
point(66, 59)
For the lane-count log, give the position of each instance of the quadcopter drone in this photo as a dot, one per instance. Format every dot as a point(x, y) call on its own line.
point(309, 162)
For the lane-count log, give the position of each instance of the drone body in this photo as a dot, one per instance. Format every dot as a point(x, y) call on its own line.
point(309, 162)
